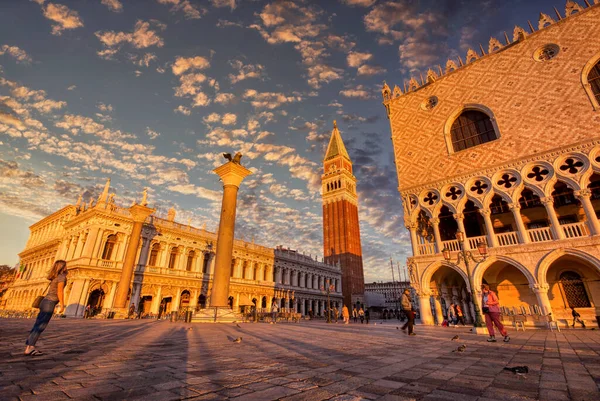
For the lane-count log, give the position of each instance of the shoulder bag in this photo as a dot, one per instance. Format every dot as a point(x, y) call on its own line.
point(38, 300)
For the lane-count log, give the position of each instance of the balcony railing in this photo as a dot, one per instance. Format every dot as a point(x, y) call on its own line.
point(474, 241)
point(452, 245)
point(426, 249)
point(575, 230)
point(540, 234)
point(507, 239)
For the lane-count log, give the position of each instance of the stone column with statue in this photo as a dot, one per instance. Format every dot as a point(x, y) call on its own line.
point(139, 213)
point(232, 173)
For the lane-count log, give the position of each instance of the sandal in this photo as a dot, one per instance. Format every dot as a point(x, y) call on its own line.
point(35, 352)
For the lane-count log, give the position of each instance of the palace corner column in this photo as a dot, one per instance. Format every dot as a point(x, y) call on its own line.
point(232, 175)
point(139, 214)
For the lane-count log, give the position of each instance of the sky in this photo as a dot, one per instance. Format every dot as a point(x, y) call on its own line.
point(150, 93)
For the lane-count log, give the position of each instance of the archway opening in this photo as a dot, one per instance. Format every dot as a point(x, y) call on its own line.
point(502, 218)
point(184, 301)
point(202, 301)
point(96, 301)
point(532, 210)
point(145, 305)
point(264, 302)
point(594, 187)
point(448, 225)
point(448, 288)
point(425, 238)
point(474, 223)
point(573, 282)
point(512, 288)
point(567, 206)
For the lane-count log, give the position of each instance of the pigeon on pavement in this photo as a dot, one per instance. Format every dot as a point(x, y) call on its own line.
point(238, 340)
point(454, 338)
point(461, 348)
point(519, 370)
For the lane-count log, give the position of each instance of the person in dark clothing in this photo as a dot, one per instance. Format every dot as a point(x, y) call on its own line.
point(367, 315)
point(410, 314)
point(576, 318)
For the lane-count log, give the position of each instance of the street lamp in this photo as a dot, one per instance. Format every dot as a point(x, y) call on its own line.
point(467, 256)
point(327, 288)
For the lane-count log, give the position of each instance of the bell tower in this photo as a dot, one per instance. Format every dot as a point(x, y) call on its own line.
point(341, 230)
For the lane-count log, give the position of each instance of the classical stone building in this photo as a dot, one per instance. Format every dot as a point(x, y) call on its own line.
point(504, 146)
point(175, 264)
point(391, 291)
point(341, 230)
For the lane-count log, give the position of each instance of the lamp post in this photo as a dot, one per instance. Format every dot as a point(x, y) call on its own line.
point(327, 288)
point(467, 257)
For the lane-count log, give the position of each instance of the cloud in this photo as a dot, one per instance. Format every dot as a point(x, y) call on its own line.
point(152, 134)
point(183, 64)
point(321, 73)
point(106, 108)
point(63, 18)
point(200, 192)
point(356, 59)
point(370, 70)
point(11, 120)
point(47, 106)
point(72, 87)
point(190, 84)
point(144, 60)
point(145, 34)
point(113, 5)
point(19, 54)
point(189, 10)
point(183, 110)
point(224, 3)
point(268, 100)
point(229, 119)
point(357, 93)
point(200, 100)
point(359, 3)
point(224, 98)
point(245, 71)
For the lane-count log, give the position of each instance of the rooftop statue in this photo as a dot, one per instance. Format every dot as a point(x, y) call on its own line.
point(236, 159)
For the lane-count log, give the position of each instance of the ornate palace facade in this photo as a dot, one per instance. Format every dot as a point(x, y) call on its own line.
point(504, 146)
point(175, 265)
point(341, 230)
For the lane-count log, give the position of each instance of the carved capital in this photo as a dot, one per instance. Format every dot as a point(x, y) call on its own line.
point(539, 287)
point(459, 216)
point(548, 200)
point(583, 193)
point(485, 212)
point(435, 221)
point(514, 206)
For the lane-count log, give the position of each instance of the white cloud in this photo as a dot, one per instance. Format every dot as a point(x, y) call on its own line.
point(229, 119)
point(106, 108)
point(224, 98)
point(189, 10)
point(356, 59)
point(144, 60)
point(151, 133)
point(200, 100)
point(321, 73)
point(8, 119)
point(47, 105)
point(200, 192)
point(72, 87)
point(359, 3)
point(357, 93)
point(19, 54)
point(269, 100)
point(145, 34)
point(189, 84)
point(63, 17)
point(113, 5)
point(371, 70)
point(224, 3)
point(182, 64)
point(245, 71)
point(212, 118)
point(183, 110)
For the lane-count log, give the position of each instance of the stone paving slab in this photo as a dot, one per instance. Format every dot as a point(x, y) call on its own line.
point(104, 360)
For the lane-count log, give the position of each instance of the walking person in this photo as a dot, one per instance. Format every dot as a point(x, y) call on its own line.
point(354, 314)
point(406, 303)
point(336, 313)
point(274, 312)
point(346, 314)
point(361, 315)
point(576, 318)
point(452, 315)
point(367, 315)
point(460, 316)
point(491, 309)
point(55, 295)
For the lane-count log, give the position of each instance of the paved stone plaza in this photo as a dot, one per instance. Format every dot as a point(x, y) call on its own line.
point(149, 360)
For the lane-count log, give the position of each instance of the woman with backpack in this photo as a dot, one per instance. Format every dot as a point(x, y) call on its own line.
point(491, 309)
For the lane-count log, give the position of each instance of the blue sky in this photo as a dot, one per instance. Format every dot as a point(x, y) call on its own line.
point(151, 92)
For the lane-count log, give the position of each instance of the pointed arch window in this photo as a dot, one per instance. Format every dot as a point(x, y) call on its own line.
point(154, 254)
point(109, 246)
point(472, 128)
point(173, 258)
point(574, 288)
point(190, 261)
point(594, 81)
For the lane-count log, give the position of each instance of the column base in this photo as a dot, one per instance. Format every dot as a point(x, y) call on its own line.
point(118, 313)
point(480, 331)
point(217, 314)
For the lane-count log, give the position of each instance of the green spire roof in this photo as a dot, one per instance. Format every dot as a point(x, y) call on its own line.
point(336, 145)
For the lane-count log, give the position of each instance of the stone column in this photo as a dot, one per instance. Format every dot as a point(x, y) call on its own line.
point(177, 300)
point(435, 222)
point(460, 220)
point(135, 298)
point(425, 309)
point(111, 296)
point(211, 264)
point(96, 250)
point(557, 231)
point(584, 196)
point(541, 292)
point(232, 175)
point(156, 301)
point(439, 315)
point(413, 238)
point(139, 214)
point(522, 231)
point(489, 227)
point(74, 296)
point(90, 242)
